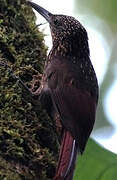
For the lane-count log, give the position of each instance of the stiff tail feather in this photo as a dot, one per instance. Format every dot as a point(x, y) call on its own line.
point(67, 158)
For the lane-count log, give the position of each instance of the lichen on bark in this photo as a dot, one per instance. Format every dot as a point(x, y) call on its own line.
point(28, 141)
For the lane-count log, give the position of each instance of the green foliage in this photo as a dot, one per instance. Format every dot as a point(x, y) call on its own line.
point(96, 164)
point(105, 9)
point(28, 141)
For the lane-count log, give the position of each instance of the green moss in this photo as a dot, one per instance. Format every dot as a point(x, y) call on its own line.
point(28, 141)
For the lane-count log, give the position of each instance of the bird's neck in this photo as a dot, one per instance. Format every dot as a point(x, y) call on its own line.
point(69, 49)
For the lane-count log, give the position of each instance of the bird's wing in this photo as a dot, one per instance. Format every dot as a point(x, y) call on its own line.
point(75, 106)
point(77, 111)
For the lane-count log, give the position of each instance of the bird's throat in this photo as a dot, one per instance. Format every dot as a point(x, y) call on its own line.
point(68, 50)
point(63, 49)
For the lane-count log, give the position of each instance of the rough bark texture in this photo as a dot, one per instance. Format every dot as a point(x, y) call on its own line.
point(28, 140)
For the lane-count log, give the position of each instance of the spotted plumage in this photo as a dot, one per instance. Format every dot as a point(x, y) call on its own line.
point(69, 88)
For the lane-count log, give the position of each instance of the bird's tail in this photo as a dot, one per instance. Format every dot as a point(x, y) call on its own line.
point(67, 158)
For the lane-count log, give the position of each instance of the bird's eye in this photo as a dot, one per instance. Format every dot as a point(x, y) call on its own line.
point(56, 22)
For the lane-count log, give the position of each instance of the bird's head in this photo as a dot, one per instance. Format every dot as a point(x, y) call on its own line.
point(62, 26)
point(68, 35)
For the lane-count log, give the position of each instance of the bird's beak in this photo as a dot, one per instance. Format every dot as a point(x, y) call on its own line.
point(46, 14)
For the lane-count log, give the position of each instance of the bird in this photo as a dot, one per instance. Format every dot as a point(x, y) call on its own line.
point(69, 88)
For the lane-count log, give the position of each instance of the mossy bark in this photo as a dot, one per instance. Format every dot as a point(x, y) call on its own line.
point(28, 141)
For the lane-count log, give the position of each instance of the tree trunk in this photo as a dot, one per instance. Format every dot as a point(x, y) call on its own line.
point(28, 141)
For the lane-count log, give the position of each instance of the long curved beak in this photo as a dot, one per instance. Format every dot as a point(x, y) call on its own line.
point(46, 14)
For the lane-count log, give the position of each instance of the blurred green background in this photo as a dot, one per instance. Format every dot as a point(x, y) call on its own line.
point(100, 18)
